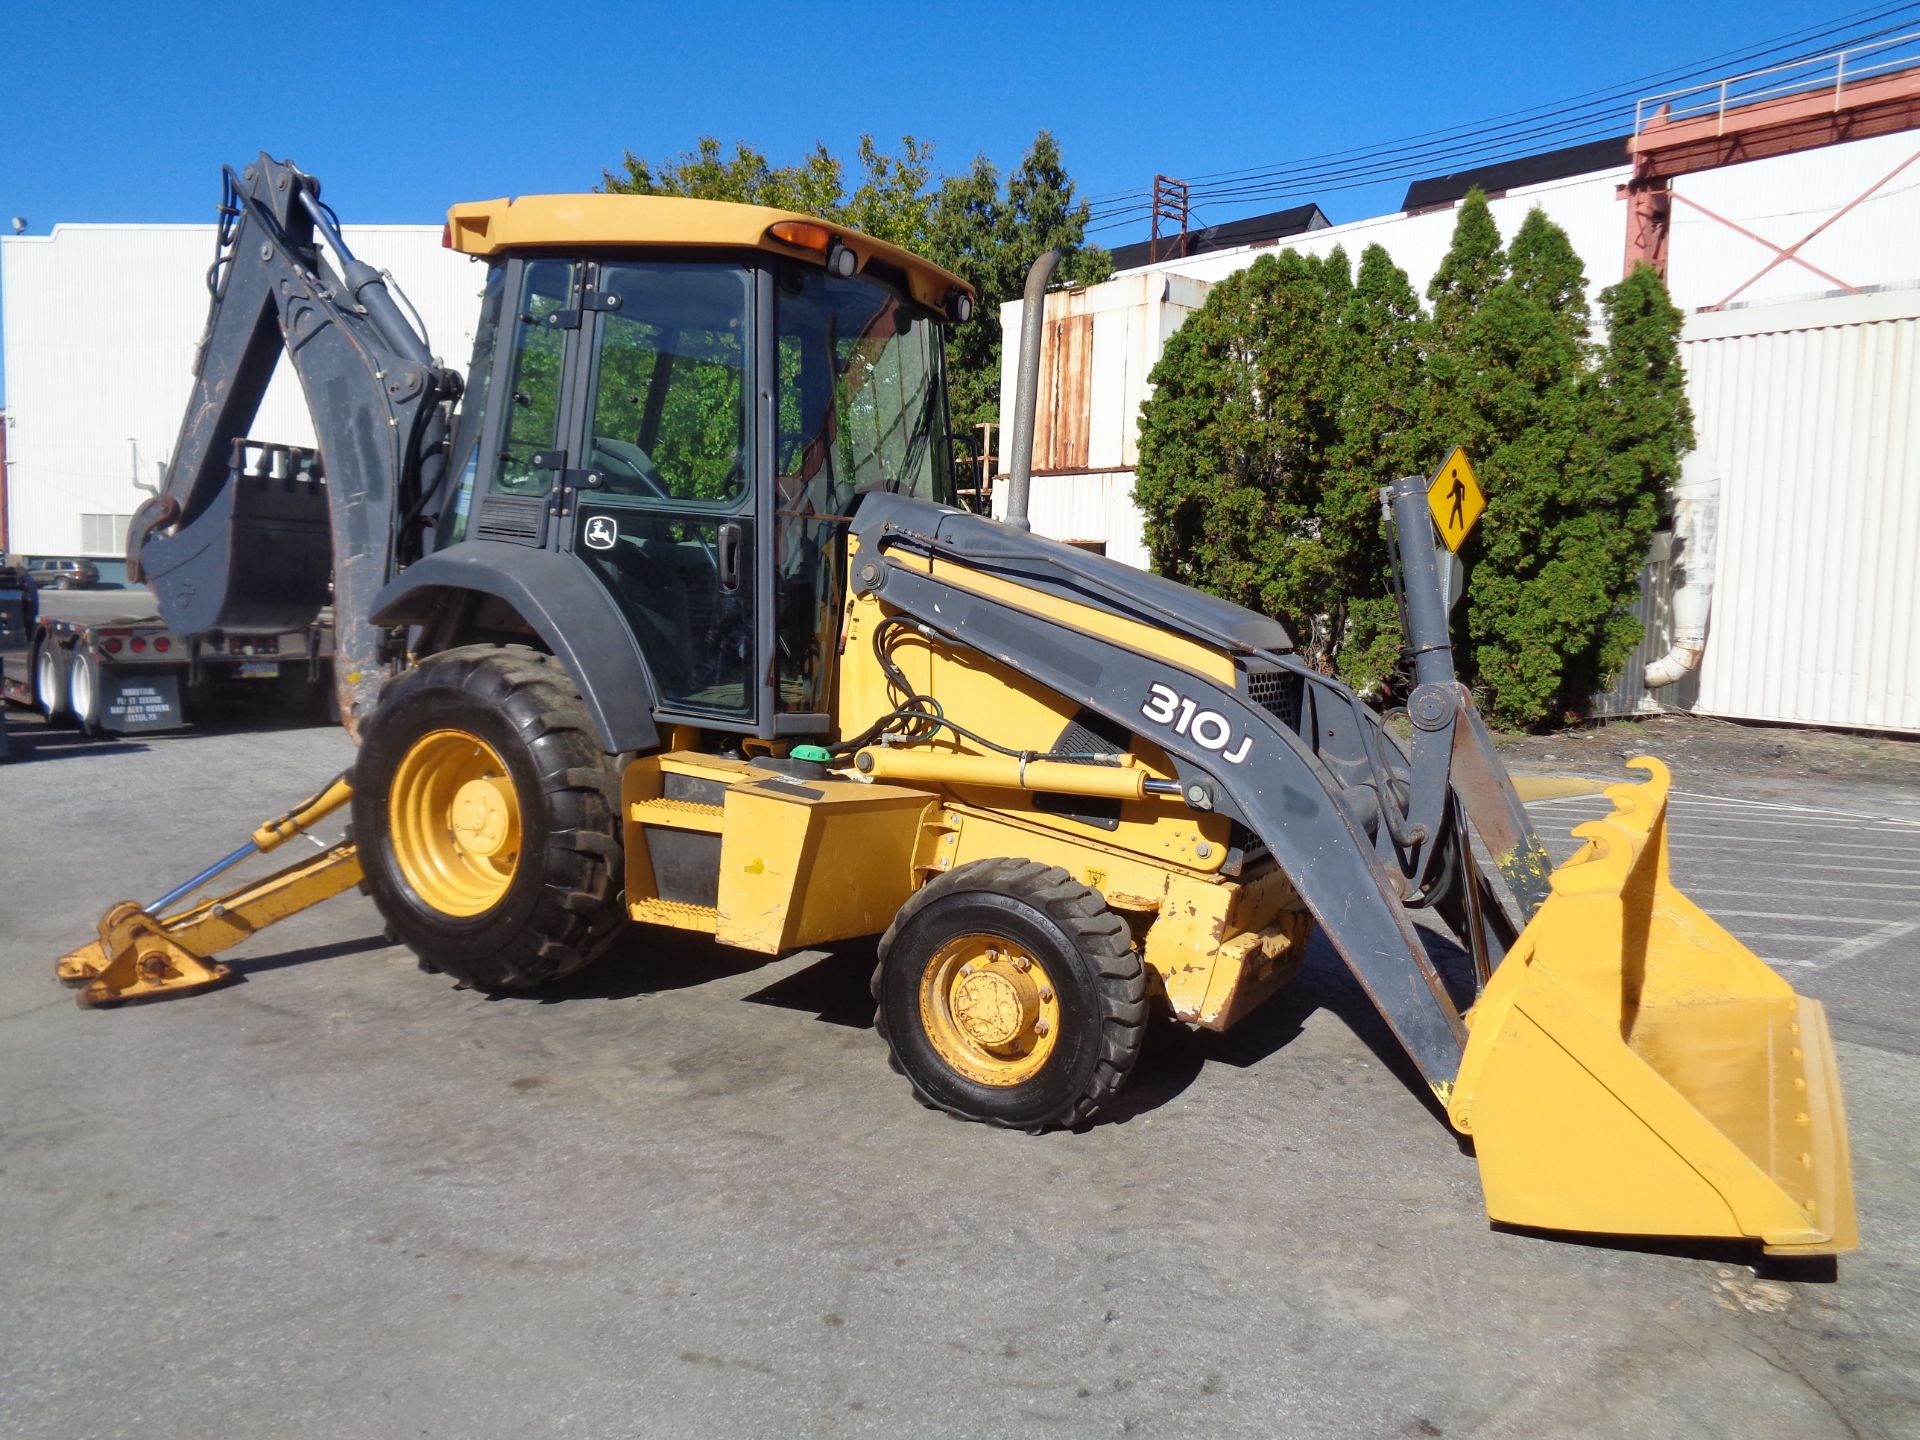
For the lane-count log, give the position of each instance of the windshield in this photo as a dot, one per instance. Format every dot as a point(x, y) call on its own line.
point(862, 403)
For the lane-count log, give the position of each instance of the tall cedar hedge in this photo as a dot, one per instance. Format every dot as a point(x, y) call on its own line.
point(1300, 388)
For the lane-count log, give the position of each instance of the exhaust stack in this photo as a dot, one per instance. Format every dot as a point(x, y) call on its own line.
point(1026, 393)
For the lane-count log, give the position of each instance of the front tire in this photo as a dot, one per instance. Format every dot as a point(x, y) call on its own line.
point(489, 818)
point(1008, 992)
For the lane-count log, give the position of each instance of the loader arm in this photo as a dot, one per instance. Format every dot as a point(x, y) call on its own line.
point(227, 546)
point(1276, 786)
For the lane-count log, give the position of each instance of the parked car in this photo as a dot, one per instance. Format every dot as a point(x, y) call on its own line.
point(64, 574)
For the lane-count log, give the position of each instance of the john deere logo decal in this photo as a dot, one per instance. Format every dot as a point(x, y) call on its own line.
point(601, 533)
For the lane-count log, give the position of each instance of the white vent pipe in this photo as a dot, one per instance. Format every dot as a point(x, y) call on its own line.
point(1696, 534)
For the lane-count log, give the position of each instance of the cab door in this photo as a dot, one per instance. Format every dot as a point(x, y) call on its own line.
point(662, 496)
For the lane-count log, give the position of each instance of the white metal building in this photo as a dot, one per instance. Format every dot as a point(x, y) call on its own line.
point(100, 327)
point(1805, 395)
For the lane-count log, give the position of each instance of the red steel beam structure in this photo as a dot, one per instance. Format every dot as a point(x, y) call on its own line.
point(1710, 126)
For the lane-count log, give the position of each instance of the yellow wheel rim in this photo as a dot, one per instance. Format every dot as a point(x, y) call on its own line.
point(990, 1009)
point(455, 822)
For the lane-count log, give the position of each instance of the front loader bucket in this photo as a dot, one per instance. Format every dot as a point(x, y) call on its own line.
point(1632, 1068)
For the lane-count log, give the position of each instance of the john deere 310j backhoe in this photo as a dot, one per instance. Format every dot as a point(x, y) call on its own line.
point(667, 614)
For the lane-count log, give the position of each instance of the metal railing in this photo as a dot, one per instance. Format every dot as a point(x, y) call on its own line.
point(1834, 71)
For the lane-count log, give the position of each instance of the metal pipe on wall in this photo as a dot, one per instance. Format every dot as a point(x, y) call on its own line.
point(1696, 526)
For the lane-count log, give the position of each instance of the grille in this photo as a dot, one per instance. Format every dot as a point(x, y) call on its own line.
point(1278, 693)
point(505, 517)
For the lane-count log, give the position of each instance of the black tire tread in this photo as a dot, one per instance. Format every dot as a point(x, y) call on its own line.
point(1099, 934)
point(578, 913)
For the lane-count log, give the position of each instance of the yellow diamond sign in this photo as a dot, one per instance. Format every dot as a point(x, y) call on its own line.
point(1456, 499)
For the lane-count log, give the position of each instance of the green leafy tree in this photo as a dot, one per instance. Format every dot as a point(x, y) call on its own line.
point(986, 233)
point(813, 186)
point(1237, 444)
point(1385, 432)
point(1573, 484)
point(1647, 429)
point(990, 238)
point(1292, 395)
point(1473, 265)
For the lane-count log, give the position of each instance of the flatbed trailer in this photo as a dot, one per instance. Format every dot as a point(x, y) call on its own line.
point(103, 661)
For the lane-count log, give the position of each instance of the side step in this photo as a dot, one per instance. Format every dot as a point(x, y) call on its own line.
point(675, 811)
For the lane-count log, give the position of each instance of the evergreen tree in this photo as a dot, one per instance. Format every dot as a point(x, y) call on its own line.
point(1473, 265)
point(1647, 429)
point(1543, 263)
point(1385, 433)
point(1554, 558)
point(814, 186)
point(1237, 443)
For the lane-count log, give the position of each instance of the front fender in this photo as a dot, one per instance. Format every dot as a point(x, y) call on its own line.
point(566, 607)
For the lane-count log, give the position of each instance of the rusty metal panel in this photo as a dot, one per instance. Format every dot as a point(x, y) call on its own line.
point(1066, 370)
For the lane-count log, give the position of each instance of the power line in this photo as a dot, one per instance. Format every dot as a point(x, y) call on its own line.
point(1484, 142)
point(1595, 100)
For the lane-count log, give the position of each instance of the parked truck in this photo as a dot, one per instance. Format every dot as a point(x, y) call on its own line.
point(104, 662)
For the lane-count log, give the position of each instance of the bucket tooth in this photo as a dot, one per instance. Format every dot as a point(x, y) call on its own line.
point(1632, 1068)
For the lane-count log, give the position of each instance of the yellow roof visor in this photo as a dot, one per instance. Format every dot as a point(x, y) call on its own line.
point(584, 222)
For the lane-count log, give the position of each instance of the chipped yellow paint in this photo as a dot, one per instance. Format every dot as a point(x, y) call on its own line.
point(1219, 949)
point(1632, 1068)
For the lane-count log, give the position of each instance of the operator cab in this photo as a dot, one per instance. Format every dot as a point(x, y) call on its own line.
point(689, 398)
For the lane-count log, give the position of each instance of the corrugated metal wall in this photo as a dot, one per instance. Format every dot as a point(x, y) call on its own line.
point(100, 326)
point(1811, 409)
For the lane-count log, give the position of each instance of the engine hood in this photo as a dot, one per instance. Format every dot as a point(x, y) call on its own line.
point(1069, 572)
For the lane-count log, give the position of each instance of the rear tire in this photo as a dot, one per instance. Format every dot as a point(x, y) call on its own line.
point(83, 693)
point(50, 695)
point(1008, 992)
point(489, 819)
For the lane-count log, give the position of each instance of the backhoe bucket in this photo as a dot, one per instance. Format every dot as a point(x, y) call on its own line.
point(259, 558)
point(1632, 1068)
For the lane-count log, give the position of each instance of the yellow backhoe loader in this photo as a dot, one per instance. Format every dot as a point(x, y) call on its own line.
point(675, 620)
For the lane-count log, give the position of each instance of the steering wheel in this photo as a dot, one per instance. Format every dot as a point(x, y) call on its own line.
point(627, 462)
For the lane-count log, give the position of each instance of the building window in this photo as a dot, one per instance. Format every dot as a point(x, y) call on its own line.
point(103, 534)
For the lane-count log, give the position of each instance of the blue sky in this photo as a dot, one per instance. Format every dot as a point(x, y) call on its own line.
point(122, 112)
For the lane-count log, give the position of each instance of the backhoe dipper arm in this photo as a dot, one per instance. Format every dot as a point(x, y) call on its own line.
point(228, 546)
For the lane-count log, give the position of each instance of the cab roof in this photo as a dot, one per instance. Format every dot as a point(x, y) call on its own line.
point(579, 222)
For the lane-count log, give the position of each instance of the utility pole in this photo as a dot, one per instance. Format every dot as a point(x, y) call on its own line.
point(1169, 204)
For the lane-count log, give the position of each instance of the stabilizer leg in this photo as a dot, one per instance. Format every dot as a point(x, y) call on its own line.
point(141, 954)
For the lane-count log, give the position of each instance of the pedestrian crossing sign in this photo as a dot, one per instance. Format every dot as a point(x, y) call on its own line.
point(1456, 500)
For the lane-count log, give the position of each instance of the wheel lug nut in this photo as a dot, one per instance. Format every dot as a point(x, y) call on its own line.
point(1040, 1027)
point(1023, 964)
point(1046, 998)
point(966, 969)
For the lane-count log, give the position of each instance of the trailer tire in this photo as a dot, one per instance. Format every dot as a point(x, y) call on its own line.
point(488, 818)
point(84, 692)
point(50, 685)
point(1008, 992)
